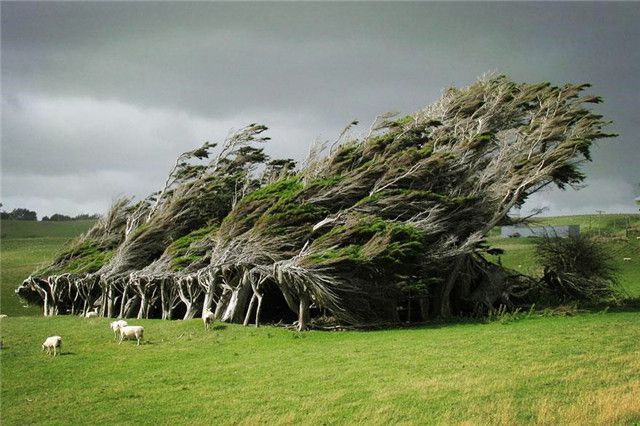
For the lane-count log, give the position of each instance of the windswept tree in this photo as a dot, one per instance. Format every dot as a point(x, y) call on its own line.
point(375, 226)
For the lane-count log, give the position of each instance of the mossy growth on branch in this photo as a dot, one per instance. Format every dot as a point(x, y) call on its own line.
point(369, 241)
point(250, 208)
point(290, 213)
point(83, 258)
point(183, 244)
point(190, 248)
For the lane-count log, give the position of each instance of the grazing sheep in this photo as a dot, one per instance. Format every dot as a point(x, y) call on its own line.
point(626, 259)
point(115, 325)
point(52, 342)
point(207, 318)
point(91, 314)
point(3, 316)
point(131, 332)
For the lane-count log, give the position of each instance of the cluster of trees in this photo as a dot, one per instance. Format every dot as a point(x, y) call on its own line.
point(379, 229)
point(19, 214)
point(56, 217)
point(26, 214)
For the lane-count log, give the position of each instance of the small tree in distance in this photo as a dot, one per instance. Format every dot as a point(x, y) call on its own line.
point(577, 268)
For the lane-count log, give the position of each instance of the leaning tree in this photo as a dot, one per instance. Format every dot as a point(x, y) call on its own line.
point(364, 229)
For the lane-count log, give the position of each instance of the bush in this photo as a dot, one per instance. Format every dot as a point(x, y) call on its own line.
point(577, 268)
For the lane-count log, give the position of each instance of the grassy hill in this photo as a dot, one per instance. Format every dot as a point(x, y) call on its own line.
point(583, 368)
point(24, 245)
point(26, 229)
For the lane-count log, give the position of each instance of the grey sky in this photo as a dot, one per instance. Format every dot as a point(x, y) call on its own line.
point(99, 98)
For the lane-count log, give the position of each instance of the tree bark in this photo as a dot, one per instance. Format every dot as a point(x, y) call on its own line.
point(258, 310)
point(247, 317)
point(208, 297)
point(445, 296)
point(424, 308)
point(123, 303)
point(129, 307)
point(143, 307)
point(110, 301)
point(190, 313)
point(303, 313)
point(222, 303)
point(237, 303)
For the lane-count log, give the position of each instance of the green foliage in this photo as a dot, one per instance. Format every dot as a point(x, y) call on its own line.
point(274, 198)
point(414, 195)
point(290, 213)
point(83, 258)
point(345, 157)
point(182, 244)
point(369, 241)
point(19, 214)
point(325, 182)
point(282, 189)
point(351, 252)
point(377, 144)
point(180, 262)
point(408, 119)
point(189, 249)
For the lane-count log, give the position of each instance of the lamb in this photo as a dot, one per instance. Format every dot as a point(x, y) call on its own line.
point(130, 332)
point(91, 314)
point(207, 318)
point(115, 325)
point(52, 342)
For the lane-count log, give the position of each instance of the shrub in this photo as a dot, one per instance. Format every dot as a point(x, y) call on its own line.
point(577, 268)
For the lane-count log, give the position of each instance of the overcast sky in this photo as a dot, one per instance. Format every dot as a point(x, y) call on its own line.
point(99, 98)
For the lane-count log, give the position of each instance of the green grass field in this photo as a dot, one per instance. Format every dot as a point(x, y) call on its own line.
point(24, 246)
point(579, 369)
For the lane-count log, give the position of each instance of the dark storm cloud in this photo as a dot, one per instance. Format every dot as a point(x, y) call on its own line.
point(92, 90)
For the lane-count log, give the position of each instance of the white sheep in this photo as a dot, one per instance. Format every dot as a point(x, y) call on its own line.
point(207, 318)
point(626, 259)
point(131, 332)
point(3, 316)
point(91, 314)
point(52, 342)
point(115, 325)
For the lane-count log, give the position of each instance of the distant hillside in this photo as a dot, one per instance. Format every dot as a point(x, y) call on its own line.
point(618, 231)
point(10, 229)
point(24, 246)
point(605, 223)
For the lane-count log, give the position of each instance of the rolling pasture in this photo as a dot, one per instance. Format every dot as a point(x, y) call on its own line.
point(549, 367)
point(619, 232)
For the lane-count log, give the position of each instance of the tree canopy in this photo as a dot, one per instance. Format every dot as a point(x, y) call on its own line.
point(361, 230)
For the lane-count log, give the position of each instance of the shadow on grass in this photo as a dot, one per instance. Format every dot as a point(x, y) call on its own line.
point(133, 343)
point(628, 305)
point(219, 327)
